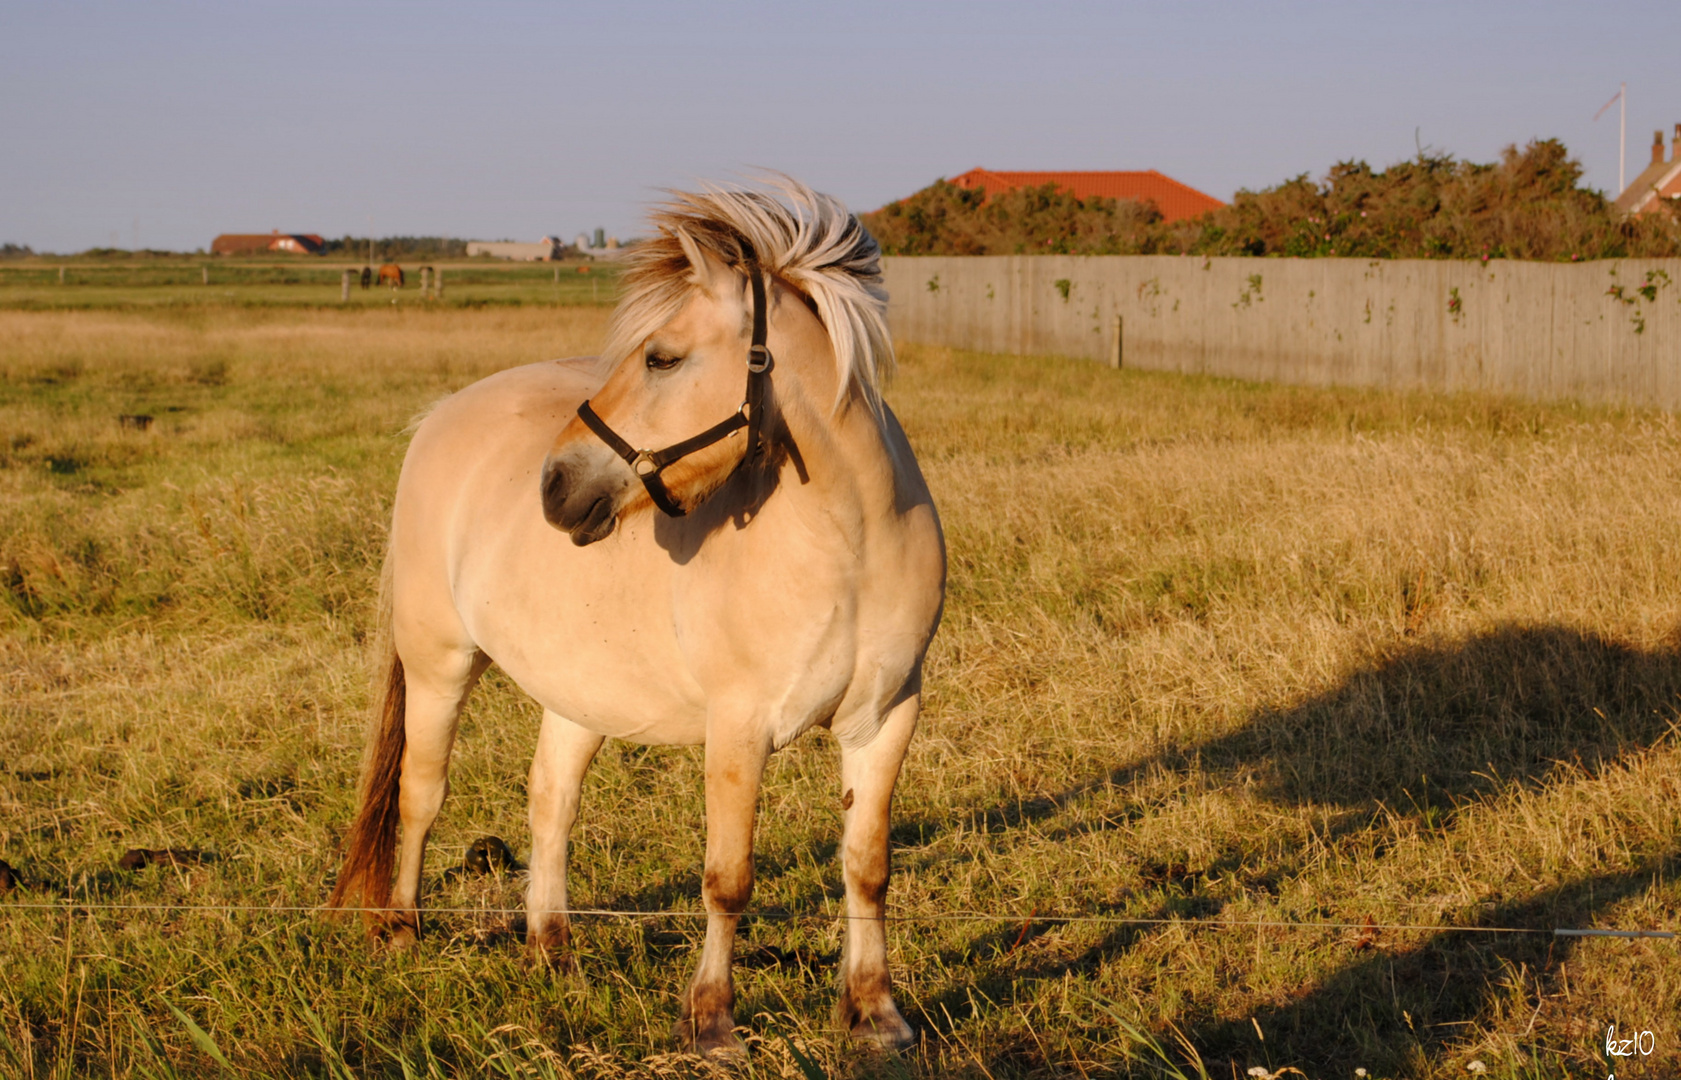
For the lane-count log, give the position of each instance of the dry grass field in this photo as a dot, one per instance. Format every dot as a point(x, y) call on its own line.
point(1295, 679)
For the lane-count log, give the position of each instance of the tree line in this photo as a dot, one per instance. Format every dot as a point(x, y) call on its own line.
point(397, 248)
point(385, 249)
point(1529, 205)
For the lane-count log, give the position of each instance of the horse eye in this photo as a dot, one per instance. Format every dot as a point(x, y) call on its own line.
point(661, 362)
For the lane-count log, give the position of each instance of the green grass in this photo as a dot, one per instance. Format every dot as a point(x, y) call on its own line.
point(1215, 653)
point(178, 281)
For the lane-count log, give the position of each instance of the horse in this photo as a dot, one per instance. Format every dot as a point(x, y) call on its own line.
point(778, 570)
point(391, 274)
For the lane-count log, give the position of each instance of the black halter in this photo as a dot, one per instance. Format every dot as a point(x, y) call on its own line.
point(648, 464)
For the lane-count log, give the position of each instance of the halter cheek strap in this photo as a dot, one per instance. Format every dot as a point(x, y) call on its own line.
point(648, 464)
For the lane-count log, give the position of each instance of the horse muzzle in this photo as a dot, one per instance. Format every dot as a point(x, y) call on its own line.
point(583, 492)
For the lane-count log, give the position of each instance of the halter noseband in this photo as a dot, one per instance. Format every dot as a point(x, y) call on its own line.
point(648, 464)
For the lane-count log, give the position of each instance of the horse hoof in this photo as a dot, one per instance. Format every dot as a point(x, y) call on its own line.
point(396, 939)
point(880, 1025)
point(549, 947)
point(715, 1040)
point(557, 960)
point(895, 1035)
point(394, 934)
point(727, 1047)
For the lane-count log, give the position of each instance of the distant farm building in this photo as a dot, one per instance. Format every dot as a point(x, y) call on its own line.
point(256, 243)
point(1660, 180)
point(602, 246)
point(1175, 200)
point(543, 250)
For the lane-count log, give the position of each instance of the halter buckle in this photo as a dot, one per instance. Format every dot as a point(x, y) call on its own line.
point(643, 463)
point(758, 359)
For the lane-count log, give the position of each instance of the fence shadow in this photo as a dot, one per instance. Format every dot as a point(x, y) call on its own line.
point(1381, 1012)
point(1425, 733)
point(1435, 726)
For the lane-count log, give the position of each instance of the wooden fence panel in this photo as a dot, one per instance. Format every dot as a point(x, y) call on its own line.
point(1607, 331)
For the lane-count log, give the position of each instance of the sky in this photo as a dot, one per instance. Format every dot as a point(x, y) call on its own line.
point(161, 124)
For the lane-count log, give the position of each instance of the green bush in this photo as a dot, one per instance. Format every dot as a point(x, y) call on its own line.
point(944, 219)
point(1529, 205)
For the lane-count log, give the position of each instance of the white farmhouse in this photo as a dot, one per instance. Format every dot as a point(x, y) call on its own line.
point(544, 250)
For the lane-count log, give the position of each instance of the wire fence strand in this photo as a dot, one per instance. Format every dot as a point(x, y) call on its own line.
point(73, 907)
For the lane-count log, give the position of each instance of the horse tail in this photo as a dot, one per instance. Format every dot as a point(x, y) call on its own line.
point(371, 847)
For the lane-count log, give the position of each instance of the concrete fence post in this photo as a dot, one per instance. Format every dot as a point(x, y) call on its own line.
point(61, 275)
point(1115, 344)
point(425, 282)
point(344, 285)
point(206, 270)
point(438, 283)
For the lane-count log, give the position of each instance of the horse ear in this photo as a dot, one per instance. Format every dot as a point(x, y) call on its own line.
point(705, 270)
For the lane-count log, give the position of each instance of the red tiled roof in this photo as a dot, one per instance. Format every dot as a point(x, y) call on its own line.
point(1173, 199)
point(1660, 180)
point(247, 243)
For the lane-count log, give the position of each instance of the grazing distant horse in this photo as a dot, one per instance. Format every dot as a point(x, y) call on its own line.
point(774, 564)
point(391, 274)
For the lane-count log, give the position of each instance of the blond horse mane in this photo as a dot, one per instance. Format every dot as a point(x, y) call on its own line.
point(807, 239)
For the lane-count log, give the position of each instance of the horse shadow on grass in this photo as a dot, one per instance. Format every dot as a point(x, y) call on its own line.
point(1422, 734)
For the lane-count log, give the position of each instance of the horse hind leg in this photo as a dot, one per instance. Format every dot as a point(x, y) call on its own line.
point(564, 753)
point(868, 776)
point(436, 691)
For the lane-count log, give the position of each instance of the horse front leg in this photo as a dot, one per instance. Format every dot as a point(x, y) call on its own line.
point(868, 775)
point(735, 763)
point(564, 753)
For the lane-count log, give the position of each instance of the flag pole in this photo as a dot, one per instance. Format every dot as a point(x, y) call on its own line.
point(1620, 99)
point(1622, 137)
